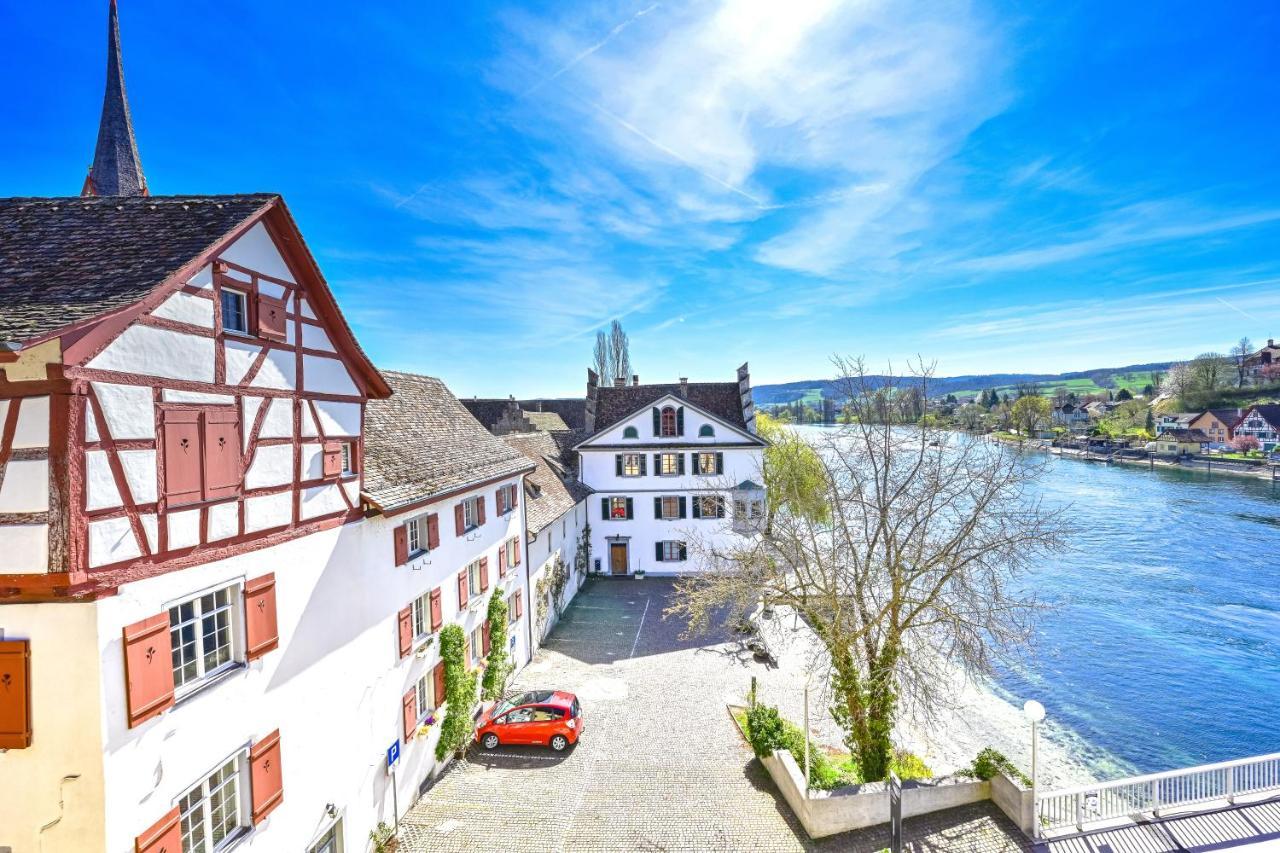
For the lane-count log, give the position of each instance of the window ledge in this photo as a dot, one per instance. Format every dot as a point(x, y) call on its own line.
point(209, 682)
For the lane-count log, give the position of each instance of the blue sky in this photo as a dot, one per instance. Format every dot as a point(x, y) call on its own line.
point(994, 186)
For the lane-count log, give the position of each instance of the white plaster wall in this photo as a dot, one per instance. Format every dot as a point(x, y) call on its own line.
point(186, 308)
point(278, 371)
point(172, 395)
point(326, 376)
point(305, 304)
point(26, 486)
point(24, 549)
point(267, 511)
point(272, 466)
point(184, 528)
point(314, 337)
point(558, 539)
point(333, 688)
point(33, 422)
point(149, 351)
point(240, 356)
point(128, 409)
point(600, 472)
point(100, 486)
point(224, 520)
point(140, 474)
point(322, 500)
point(339, 419)
point(256, 251)
point(279, 420)
point(312, 461)
point(693, 422)
point(66, 734)
point(308, 423)
point(110, 541)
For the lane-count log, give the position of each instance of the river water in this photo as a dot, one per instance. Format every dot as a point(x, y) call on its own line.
point(1161, 645)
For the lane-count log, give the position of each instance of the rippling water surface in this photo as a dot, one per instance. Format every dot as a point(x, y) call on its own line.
point(1162, 645)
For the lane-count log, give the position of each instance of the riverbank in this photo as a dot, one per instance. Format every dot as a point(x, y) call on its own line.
point(970, 716)
point(1201, 464)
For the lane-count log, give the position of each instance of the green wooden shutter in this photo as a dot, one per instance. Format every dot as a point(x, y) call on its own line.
point(657, 421)
point(693, 458)
point(680, 421)
point(697, 508)
point(643, 464)
point(631, 513)
point(617, 464)
point(657, 551)
point(657, 507)
point(684, 555)
point(604, 509)
point(719, 463)
point(682, 506)
point(679, 463)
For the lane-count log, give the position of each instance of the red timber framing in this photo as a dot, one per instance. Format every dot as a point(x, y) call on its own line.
point(74, 401)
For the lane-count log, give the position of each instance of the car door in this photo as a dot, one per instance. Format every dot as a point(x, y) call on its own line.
point(546, 721)
point(515, 726)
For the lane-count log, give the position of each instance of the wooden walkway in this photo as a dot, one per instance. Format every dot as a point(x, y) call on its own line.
point(1253, 827)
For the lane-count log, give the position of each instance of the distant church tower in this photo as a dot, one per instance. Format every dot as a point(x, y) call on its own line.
point(116, 169)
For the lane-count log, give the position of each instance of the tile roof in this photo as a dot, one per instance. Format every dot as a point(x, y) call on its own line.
point(572, 410)
point(65, 260)
point(558, 491)
point(1270, 412)
point(1186, 435)
point(721, 399)
point(421, 442)
point(546, 421)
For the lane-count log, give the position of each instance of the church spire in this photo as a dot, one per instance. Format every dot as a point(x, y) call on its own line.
point(116, 169)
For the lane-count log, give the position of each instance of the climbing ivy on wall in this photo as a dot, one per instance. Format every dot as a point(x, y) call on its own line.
point(459, 691)
point(498, 664)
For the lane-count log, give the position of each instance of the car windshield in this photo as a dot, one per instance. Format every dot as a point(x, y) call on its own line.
point(530, 698)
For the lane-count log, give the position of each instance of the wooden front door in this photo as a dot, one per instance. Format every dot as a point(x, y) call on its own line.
point(618, 558)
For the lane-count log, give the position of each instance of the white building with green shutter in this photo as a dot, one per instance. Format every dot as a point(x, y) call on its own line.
point(670, 465)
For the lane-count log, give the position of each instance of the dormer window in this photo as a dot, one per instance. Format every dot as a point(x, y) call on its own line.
point(235, 311)
point(630, 432)
point(668, 421)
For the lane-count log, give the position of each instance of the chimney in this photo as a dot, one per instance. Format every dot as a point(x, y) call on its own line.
point(635, 379)
point(620, 382)
point(684, 387)
point(744, 395)
point(1271, 342)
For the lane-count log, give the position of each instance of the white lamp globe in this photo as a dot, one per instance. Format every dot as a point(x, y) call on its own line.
point(1033, 711)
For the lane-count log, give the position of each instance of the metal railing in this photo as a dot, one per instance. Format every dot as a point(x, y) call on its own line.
point(1138, 796)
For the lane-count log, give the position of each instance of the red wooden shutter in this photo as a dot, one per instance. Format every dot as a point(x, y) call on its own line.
point(409, 713)
point(484, 639)
point(182, 462)
point(480, 510)
point(221, 453)
point(497, 501)
point(438, 676)
point(433, 531)
point(261, 632)
point(271, 318)
point(164, 836)
point(148, 668)
point(332, 460)
point(519, 603)
point(515, 499)
point(462, 589)
point(400, 535)
point(515, 558)
point(437, 617)
point(502, 560)
point(405, 619)
point(484, 573)
point(15, 694)
point(265, 778)
point(459, 520)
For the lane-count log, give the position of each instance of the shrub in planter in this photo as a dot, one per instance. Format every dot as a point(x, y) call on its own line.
point(991, 761)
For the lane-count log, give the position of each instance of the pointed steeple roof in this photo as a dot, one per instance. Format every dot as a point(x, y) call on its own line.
point(116, 169)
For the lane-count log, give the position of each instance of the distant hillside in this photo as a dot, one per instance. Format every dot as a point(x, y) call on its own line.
point(1133, 377)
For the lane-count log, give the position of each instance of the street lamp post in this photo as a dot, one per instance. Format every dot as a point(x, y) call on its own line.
point(1034, 712)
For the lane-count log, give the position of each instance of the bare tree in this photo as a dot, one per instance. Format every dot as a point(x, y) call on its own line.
point(914, 567)
point(619, 351)
point(600, 359)
point(1240, 353)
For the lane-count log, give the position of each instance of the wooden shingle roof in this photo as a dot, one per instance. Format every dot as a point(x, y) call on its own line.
point(557, 490)
point(421, 442)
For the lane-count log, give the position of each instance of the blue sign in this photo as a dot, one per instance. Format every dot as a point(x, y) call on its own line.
point(393, 754)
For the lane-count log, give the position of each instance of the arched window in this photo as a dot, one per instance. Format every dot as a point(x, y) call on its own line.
point(630, 432)
point(706, 431)
point(668, 421)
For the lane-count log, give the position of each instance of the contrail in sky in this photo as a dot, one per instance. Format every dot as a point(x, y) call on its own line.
point(590, 50)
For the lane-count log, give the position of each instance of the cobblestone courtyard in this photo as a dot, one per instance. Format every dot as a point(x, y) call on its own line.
point(660, 766)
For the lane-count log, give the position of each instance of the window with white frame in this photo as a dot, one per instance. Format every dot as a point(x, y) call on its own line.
point(426, 691)
point(471, 513)
point(213, 811)
point(618, 508)
point(202, 636)
point(706, 463)
point(477, 648)
point(473, 580)
point(235, 311)
point(422, 615)
point(413, 532)
point(506, 499)
point(670, 507)
point(668, 464)
point(512, 616)
point(348, 457)
point(631, 464)
point(512, 556)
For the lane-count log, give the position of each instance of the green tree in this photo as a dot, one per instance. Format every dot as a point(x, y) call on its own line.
point(793, 475)
point(459, 691)
point(1029, 413)
point(1124, 394)
point(498, 664)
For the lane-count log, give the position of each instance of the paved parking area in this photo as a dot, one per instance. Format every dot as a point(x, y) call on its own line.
point(661, 765)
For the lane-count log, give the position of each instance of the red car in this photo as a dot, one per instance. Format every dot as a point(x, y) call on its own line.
point(541, 717)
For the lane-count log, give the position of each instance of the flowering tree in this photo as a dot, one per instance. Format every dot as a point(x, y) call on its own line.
point(1245, 444)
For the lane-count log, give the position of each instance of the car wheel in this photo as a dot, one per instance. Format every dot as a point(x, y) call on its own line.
point(559, 743)
point(489, 741)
